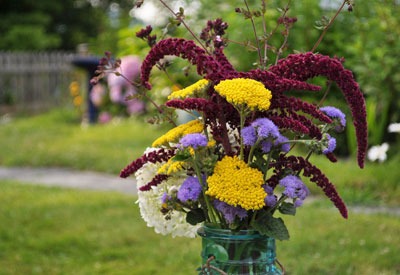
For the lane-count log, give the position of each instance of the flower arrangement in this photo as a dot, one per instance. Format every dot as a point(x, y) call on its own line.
point(233, 166)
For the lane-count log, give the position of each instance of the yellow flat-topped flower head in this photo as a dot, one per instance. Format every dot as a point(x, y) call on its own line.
point(171, 167)
point(174, 134)
point(243, 91)
point(189, 91)
point(235, 183)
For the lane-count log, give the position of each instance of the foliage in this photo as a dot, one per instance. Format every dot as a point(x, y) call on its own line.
point(365, 37)
point(41, 25)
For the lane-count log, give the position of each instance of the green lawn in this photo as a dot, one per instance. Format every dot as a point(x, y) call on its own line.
point(58, 231)
point(57, 139)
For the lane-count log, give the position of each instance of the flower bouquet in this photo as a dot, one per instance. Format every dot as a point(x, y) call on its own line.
point(225, 174)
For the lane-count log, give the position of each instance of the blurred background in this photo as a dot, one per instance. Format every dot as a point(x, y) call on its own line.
point(50, 116)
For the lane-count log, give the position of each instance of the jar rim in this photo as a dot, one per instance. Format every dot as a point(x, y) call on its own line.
point(206, 231)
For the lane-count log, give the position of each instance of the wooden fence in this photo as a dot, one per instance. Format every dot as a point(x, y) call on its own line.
point(31, 80)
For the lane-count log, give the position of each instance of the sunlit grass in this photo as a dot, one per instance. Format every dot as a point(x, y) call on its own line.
point(57, 139)
point(59, 231)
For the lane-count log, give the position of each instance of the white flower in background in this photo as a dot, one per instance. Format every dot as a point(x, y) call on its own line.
point(150, 204)
point(378, 152)
point(394, 128)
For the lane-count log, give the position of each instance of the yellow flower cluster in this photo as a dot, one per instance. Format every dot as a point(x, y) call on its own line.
point(188, 91)
point(241, 91)
point(211, 143)
point(173, 135)
point(170, 167)
point(235, 183)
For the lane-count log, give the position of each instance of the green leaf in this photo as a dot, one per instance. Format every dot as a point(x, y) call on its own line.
point(195, 216)
point(181, 157)
point(272, 227)
point(287, 209)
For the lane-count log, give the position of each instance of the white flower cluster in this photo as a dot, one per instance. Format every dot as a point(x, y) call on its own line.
point(150, 204)
point(378, 152)
point(394, 128)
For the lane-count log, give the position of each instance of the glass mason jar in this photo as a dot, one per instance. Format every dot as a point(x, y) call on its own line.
point(244, 252)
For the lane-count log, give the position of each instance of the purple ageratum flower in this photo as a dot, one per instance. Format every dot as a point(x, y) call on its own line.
point(294, 188)
point(249, 135)
point(230, 212)
point(270, 199)
point(266, 146)
point(286, 146)
point(335, 113)
point(164, 197)
point(298, 203)
point(193, 140)
point(189, 190)
point(331, 145)
point(266, 128)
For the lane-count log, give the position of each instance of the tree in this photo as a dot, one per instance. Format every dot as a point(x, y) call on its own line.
point(47, 24)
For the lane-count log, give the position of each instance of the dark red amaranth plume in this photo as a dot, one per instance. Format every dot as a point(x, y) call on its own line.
point(153, 157)
point(198, 104)
point(289, 123)
point(331, 157)
point(305, 66)
point(186, 49)
point(223, 61)
point(154, 182)
point(278, 84)
point(313, 129)
point(296, 104)
point(297, 164)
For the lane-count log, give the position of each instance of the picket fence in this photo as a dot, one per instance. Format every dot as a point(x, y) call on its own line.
point(32, 80)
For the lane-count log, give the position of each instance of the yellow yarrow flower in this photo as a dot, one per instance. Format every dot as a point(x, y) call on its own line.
point(235, 183)
point(241, 91)
point(74, 88)
point(78, 100)
point(211, 143)
point(188, 91)
point(173, 135)
point(171, 167)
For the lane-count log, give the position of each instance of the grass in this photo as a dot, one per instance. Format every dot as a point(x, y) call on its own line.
point(57, 139)
point(377, 183)
point(59, 231)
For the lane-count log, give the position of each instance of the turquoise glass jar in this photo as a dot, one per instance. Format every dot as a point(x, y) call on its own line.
point(242, 252)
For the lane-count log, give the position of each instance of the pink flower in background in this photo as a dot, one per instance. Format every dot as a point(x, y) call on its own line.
point(120, 87)
point(97, 93)
point(104, 117)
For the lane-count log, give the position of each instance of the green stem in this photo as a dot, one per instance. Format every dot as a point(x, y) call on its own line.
point(209, 207)
point(255, 33)
point(295, 141)
point(242, 120)
point(252, 150)
point(268, 161)
point(281, 199)
point(253, 218)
